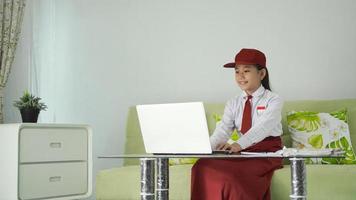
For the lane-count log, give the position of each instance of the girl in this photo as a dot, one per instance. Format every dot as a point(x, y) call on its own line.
point(256, 113)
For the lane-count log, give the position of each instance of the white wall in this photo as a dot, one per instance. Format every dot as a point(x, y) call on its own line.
point(100, 57)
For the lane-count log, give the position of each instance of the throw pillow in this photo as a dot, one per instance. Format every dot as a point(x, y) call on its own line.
point(182, 161)
point(313, 130)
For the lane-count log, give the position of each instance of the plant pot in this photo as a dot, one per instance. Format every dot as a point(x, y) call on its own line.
point(29, 114)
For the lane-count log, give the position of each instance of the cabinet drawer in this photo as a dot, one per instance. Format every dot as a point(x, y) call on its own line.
point(52, 180)
point(53, 144)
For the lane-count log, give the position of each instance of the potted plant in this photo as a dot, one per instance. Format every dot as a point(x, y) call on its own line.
point(30, 107)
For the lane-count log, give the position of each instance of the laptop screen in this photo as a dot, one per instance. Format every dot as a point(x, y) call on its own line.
point(177, 128)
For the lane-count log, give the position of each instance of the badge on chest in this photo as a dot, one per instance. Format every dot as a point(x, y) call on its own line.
point(260, 109)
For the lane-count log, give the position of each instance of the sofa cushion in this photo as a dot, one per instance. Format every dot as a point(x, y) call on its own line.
point(124, 183)
point(313, 130)
point(323, 182)
point(320, 106)
point(134, 144)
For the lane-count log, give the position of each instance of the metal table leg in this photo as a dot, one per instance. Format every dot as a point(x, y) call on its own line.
point(147, 178)
point(298, 177)
point(162, 179)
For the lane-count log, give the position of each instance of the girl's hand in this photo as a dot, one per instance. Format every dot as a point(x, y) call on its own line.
point(232, 148)
point(235, 148)
point(222, 147)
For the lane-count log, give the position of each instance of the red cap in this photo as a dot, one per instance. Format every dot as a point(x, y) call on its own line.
point(248, 57)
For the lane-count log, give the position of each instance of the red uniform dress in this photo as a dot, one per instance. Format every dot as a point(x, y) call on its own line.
point(237, 179)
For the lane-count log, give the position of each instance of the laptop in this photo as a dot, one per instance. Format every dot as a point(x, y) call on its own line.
point(174, 128)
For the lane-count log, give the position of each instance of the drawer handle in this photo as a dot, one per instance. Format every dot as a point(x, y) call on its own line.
point(55, 145)
point(55, 179)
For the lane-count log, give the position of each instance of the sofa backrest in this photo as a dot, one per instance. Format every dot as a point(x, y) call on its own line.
point(134, 143)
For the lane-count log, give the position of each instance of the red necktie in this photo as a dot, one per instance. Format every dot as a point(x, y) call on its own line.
point(246, 117)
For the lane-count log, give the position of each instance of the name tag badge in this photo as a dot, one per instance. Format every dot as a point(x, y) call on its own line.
point(260, 109)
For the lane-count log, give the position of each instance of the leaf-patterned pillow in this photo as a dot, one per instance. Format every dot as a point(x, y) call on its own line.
point(312, 130)
point(182, 161)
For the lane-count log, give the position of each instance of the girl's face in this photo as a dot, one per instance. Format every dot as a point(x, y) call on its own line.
point(248, 77)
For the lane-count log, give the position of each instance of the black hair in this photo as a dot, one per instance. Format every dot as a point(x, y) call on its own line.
point(265, 80)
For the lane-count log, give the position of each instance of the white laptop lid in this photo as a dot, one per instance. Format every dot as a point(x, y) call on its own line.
point(174, 128)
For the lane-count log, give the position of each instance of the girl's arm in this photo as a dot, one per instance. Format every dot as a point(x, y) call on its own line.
point(264, 125)
point(224, 128)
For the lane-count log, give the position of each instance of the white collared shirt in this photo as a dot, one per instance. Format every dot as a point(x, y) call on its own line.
point(266, 119)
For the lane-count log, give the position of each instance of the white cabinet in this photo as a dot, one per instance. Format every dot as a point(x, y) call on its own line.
point(45, 161)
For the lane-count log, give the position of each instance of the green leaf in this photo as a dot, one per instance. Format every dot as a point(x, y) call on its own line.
point(182, 161)
point(303, 121)
point(217, 117)
point(308, 161)
point(341, 115)
point(234, 136)
point(29, 101)
point(343, 144)
point(316, 141)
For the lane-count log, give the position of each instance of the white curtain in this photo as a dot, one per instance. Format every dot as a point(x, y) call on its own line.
point(11, 15)
point(42, 68)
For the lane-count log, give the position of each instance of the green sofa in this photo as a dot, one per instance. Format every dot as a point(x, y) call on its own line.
point(323, 181)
